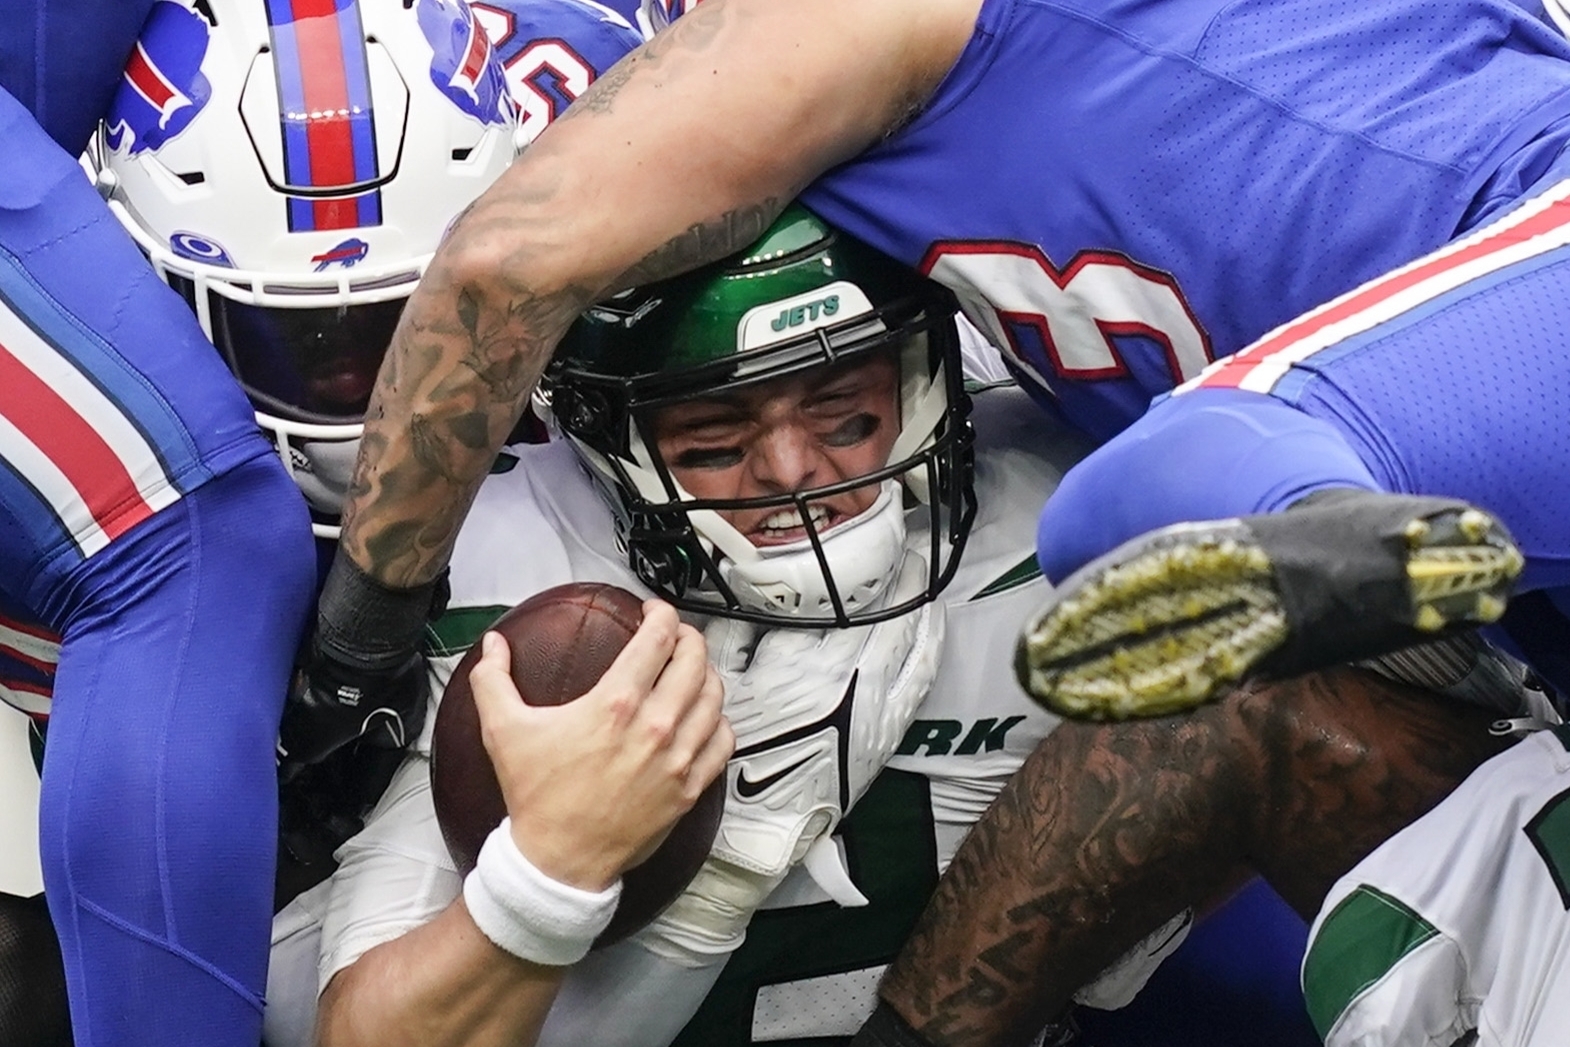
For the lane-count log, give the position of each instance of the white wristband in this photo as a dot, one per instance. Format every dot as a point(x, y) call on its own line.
point(529, 914)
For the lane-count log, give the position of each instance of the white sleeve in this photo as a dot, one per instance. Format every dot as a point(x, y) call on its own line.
point(392, 877)
point(625, 996)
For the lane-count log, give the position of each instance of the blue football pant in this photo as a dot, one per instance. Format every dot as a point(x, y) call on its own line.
point(159, 803)
point(1465, 395)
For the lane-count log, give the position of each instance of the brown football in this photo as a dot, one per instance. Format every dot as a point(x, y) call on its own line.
point(562, 640)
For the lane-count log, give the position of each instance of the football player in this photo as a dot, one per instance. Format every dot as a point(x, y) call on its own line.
point(145, 524)
point(1308, 455)
point(779, 446)
point(300, 287)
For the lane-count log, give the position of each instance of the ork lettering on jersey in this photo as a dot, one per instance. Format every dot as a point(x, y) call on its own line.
point(939, 737)
point(1102, 317)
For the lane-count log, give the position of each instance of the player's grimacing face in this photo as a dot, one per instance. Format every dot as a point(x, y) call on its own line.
point(793, 433)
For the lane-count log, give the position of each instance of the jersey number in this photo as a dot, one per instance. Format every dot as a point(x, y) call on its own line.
point(892, 854)
point(1064, 322)
point(544, 78)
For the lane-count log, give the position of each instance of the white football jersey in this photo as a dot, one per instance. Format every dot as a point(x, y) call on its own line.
point(1459, 922)
point(807, 968)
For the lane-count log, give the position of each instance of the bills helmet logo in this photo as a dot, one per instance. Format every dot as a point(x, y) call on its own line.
point(163, 88)
point(347, 254)
point(463, 64)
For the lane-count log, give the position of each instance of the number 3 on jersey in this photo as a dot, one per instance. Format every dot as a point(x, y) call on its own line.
point(544, 76)
point(1066, 322)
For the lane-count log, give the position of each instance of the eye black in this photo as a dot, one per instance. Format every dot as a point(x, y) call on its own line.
point(853, 430)
point(708, 458)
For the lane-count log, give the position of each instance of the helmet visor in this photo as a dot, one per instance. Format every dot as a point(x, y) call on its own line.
point(316, 364)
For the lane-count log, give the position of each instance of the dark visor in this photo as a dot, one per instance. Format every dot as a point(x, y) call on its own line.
point(314, 365)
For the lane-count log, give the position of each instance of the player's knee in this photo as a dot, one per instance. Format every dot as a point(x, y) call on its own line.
point(1343, 760)
point(260, 503)
point(1143, 479)
point(1206, 455)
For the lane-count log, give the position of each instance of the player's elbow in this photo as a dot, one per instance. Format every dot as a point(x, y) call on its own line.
point(346, 1012)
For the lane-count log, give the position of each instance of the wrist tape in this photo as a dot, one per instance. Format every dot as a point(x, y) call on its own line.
point(527, 913)
point(368, 626)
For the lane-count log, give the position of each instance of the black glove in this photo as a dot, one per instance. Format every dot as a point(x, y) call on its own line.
point(331, 704)
point(321, 807)
point(362, 675)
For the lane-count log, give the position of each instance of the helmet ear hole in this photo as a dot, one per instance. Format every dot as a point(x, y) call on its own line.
point(587, 415)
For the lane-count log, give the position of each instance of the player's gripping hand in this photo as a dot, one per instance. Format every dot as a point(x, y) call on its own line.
point(362, 675)
point(593, 786)
point(332, 704)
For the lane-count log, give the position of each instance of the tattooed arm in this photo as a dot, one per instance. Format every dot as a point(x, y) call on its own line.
point(1109, 830)
point(683, 153)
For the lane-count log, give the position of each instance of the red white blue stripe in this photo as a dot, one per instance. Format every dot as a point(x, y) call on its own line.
point(29, 656)
point(84, 442)
point(1532, 235)
point(324, 94)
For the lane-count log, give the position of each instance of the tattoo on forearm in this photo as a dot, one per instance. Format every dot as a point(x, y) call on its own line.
point(695, 31)
point(704, 242)
point(474, 339)
point(1108, 831)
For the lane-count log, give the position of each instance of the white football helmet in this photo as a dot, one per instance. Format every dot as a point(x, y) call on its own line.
point(291, 176)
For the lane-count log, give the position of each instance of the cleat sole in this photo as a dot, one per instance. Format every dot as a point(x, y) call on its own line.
point(1171, 620)
point(1161, 631)
point(1460, 570)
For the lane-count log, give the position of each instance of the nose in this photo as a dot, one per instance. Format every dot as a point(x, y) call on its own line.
point(787, 458)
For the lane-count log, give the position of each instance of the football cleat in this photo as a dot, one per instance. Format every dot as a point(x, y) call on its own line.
point(1173, 618)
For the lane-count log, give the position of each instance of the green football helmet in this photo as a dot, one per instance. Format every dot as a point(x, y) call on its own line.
point(803, 296)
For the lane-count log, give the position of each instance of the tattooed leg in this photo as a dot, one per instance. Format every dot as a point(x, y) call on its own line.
point(1109, 830)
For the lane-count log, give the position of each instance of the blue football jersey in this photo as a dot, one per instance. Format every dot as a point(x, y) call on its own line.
point(62, 59)
point(552, 50)
point(1120, 191)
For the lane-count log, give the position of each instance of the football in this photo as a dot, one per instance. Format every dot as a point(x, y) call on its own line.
point(562, 640)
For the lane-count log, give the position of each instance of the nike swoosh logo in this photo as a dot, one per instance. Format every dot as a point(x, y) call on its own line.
point(838, 719)
point(747, 789)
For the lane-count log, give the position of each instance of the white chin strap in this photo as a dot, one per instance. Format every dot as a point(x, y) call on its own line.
point(322, 469)
point(787, 580)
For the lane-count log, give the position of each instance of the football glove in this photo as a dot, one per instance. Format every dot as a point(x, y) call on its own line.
point(362, 675)
point(331, 705)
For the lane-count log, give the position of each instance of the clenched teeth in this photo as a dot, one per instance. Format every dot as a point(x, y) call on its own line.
point(790, 519)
